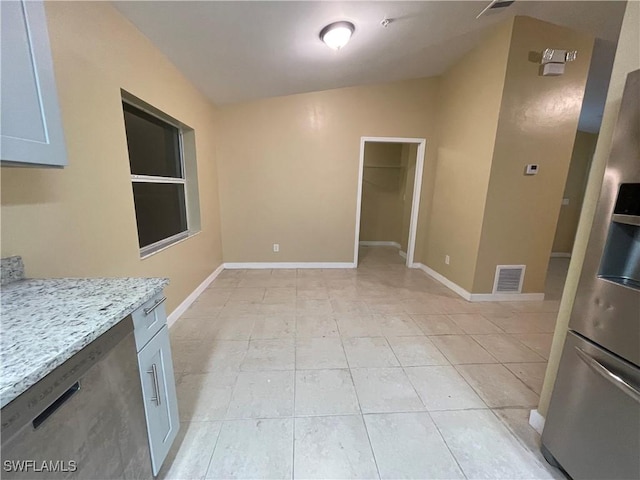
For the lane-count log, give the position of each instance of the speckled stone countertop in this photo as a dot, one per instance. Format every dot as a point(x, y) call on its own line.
point(11, 270)
point(45, 322)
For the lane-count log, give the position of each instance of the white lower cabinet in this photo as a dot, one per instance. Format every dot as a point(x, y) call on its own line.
point(156, 375)
point(159, 393)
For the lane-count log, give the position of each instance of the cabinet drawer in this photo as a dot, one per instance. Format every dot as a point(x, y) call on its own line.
point(149, 319)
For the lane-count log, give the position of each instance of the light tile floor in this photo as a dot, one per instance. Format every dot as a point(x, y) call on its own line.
point(378, 372)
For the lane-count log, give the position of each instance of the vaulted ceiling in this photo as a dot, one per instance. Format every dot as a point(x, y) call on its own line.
point(237, 51)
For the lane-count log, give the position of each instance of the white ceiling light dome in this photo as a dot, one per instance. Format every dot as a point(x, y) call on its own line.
point(336, 35)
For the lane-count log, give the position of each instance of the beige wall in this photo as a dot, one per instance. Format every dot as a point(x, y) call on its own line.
point(387, 193)
point(627, 60)
point(409, 158)
point(471, 92)
point(537, 124)
point(289, 167)
point(583, 149)
point(80, 220)
point(381, 211)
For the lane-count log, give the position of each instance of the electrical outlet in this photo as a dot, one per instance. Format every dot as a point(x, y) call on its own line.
point(276, 247)
point(447, 259)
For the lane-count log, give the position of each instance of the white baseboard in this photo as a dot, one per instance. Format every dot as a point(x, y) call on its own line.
point(175, 315)
point(268, 265)
point(402, 254)
point(367, 243)
point(560, 255)
point(536, 420)
point(507, 297)
point(443, 280)
point(478, 297)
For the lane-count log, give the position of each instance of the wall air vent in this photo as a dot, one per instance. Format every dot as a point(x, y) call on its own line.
point(509, 279)
point(495, 6)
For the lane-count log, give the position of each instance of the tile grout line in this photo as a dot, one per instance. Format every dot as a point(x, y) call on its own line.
point(226, 412)
point(295, 382)
point(515, 437)
point(484, 349)
point(508, 335)
point(414, 388)
point(492, 323)
point(526, 346)
point(373, 454)
point(235, 383)
point(498, 362)
point(447, 445)
point(213, 451)
point(477, 392)
point(523, 382)
point(356, 414)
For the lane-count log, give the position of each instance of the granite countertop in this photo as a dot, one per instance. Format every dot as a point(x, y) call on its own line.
point(45, 322)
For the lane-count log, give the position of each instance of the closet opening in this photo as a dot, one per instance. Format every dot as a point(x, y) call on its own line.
point(389, 185)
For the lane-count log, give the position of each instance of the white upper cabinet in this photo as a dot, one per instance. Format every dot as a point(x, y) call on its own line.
point(30, 126)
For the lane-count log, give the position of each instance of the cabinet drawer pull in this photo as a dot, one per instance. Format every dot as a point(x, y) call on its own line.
point(156, 385)
point(147, 311)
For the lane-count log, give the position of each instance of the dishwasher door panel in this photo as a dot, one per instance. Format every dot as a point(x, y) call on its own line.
point(100, 426)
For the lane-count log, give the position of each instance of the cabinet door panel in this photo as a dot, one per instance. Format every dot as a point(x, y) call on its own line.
point(159, 393)
point(31, 124)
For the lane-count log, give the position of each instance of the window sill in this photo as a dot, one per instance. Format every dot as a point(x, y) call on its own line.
point(168, 245)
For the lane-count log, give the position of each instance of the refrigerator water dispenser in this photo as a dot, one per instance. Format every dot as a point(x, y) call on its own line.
point(621, 258)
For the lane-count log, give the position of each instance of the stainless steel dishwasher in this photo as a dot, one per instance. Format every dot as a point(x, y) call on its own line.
point(84, 420)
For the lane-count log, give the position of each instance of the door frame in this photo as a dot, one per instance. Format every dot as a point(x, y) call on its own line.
point(417, 187)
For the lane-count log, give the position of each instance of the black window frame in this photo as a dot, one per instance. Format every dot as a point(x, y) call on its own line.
point(146, 248)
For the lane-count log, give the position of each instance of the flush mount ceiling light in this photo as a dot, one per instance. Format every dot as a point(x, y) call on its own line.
point(337, 34)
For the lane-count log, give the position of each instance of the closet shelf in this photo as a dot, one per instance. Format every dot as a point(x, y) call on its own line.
point(383, 166)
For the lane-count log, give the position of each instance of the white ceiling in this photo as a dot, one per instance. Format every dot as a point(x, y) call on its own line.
point(238, 51)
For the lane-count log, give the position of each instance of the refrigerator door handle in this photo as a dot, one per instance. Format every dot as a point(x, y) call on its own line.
point(605, 373)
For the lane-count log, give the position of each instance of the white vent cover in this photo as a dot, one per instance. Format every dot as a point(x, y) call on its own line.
point(509, 279)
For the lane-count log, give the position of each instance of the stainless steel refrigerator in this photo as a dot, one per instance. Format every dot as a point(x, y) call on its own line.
point(592, 428)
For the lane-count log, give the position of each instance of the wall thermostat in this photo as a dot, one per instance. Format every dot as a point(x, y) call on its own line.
point(531, 169)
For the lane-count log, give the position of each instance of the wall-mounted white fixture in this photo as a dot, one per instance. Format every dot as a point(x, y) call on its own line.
point(385, 22)
point(337, 34)
point(553, 60)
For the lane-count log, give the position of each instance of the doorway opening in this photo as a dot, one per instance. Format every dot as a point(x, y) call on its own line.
point(389, 185)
